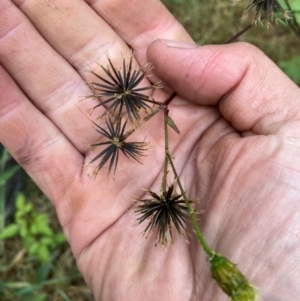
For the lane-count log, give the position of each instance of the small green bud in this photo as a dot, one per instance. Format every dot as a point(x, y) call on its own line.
point(231, 280)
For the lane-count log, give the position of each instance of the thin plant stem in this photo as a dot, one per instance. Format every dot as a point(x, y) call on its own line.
point(293, 24)
point(165, 168)
point(210, 253)
point(169, 99)
point(237, 35)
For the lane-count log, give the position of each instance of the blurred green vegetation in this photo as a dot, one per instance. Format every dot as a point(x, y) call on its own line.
point(215, 21)
point(33, 229)
point(39, 266)
point(36, 263)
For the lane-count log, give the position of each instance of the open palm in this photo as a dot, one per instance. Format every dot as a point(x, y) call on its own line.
point(237, 152)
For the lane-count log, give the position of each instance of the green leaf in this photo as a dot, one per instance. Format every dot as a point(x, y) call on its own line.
point(172, 124)
point(4, 177)
point(21, 218)
point(34, 229)
point(27, 208)
point(24, 232)
point(4, 158)
point(60, 238)
point(43, 253)
point(9, 231)
point(28, 241)
point(2, 288)
point(20, 202)
point(25, 292)
point(29, 294)
point(48, 241)
point(42, 218)
point(44, 229)
point(41, 297)
point(296, 7)
point(292, 68)
point(43, 272)
point(33, 249)
point(64, 295)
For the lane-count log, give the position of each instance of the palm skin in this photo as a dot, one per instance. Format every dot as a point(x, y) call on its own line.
point(237, 152)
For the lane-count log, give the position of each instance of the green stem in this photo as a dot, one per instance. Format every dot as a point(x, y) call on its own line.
point(165, 168)
point(210, 253)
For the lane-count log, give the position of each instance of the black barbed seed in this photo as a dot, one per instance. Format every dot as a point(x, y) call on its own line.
point(116, 142)
point(161, 211)
point(123, 91)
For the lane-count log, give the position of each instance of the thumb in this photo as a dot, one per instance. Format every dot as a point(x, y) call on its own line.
point(250, 90)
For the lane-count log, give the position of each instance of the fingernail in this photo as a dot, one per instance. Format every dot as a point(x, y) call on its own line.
point(177, 44)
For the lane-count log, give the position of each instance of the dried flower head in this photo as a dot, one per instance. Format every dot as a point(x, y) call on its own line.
point(231, 280)
point(266, 9)
point(115, 133)
point(162, 210)
point(122, 90)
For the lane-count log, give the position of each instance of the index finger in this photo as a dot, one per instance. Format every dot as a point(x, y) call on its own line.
point(140, 22)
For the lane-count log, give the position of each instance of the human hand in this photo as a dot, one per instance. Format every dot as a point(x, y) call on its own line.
point(244, 165)
point(48, 132)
